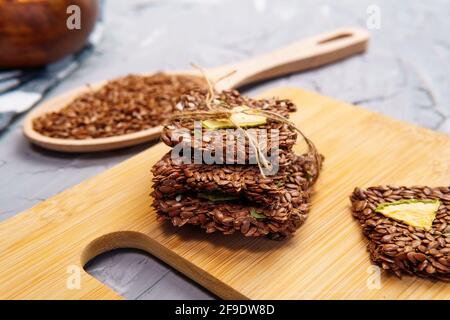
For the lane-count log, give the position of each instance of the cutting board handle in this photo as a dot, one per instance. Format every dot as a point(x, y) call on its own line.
point(302, 55)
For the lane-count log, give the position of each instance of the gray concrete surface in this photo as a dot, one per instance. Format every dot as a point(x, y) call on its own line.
point(405, 74)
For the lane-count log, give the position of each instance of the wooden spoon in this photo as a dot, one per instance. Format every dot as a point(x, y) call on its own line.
point(310, 53)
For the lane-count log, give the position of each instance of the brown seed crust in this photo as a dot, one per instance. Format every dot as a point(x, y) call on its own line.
point(170, 179)
point(195, 101)
point(400, 248)
point(281, 220)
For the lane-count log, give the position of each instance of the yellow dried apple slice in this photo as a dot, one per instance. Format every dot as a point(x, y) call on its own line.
point(414, 212)
point(243, 120)
point(248, 120)
point(217, 124)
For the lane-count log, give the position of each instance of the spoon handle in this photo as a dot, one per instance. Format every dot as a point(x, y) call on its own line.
point(306, 54)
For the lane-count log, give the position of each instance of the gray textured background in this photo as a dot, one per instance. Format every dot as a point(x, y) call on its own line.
point(405, 74)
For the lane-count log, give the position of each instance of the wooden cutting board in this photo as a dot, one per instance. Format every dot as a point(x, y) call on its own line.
point(41, 247)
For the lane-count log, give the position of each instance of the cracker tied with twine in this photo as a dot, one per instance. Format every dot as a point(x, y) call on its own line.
point(222, 115)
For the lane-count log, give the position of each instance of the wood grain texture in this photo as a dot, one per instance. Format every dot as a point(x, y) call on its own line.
point(325, 259)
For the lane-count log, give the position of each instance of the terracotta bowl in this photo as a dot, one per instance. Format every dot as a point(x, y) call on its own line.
point(35, 32)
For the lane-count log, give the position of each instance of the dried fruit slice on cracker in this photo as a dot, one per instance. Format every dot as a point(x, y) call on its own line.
point(271, 134)
point(408, 228)
point(414, 212)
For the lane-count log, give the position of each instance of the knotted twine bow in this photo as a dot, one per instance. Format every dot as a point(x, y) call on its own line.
point(216, 111)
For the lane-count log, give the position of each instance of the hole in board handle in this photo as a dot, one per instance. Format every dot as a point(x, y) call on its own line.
point(336, 37)
point(133, 250)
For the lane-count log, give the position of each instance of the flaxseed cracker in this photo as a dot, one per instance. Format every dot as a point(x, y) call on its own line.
point(240, 214)
point(171, 178)
point(397, 246)
point(195, 101)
